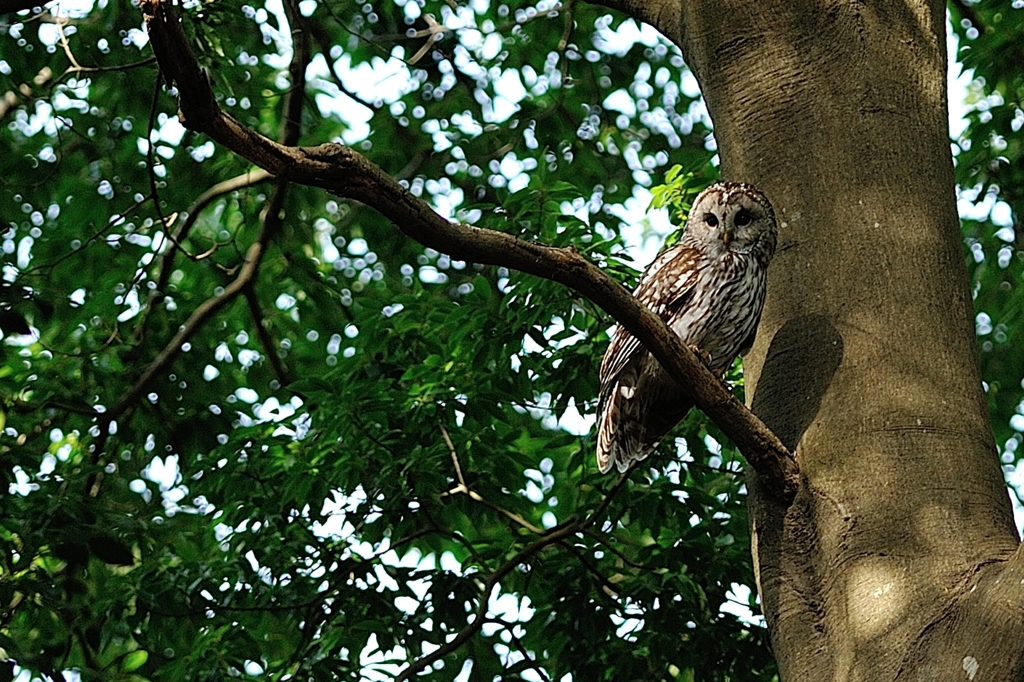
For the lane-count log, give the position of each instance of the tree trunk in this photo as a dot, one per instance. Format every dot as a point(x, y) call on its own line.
point(899, 559)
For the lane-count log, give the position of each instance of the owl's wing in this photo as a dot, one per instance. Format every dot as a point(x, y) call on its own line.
point(666, 288)
point(748, 342)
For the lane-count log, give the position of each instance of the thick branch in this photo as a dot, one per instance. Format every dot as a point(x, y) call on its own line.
point(663, 15)
point(344, 172)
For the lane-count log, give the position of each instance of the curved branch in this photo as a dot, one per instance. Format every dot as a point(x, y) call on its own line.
point(664, 15)
point(246, 179)
point(176, 240)
point(346, 173)
point(323, 41)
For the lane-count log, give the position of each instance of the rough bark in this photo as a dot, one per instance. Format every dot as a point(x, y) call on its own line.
point(899, 559)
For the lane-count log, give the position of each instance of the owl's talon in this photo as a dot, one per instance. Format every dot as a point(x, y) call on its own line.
point(704, 356)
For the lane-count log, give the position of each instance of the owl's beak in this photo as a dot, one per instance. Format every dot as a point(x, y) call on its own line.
point(726, 236)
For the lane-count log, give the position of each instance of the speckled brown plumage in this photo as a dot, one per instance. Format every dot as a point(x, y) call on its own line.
point(710, 290)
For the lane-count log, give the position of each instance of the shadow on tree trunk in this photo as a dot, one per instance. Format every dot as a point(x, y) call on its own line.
point(805, 353)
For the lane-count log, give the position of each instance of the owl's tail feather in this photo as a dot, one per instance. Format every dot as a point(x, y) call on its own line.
point(628, 428)
point(620, 435)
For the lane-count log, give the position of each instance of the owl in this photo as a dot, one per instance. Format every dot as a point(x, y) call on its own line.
point(709, 289)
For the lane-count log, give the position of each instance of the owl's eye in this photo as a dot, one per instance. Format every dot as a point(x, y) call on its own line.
point(743, 219)
point(711, 219)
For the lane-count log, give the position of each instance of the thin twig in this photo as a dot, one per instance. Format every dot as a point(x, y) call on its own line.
point(284, 377)
point(247, 179)
point(606, 585)
point(432, 33)
point(323, 41)
point(114, 221)
point(120, 68)
point(614, 550)
point(462, 488)
point(563, 68)
point(528, 660)
point(178, 237)
point(481, 613)
point(554, 536)
point(455, 456)
point(151, 152)
point(60, 22)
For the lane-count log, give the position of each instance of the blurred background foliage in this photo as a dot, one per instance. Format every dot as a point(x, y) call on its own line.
point(326, 480)
point(989, 151)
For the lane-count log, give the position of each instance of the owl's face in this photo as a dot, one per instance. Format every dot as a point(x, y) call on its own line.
point(732, 216)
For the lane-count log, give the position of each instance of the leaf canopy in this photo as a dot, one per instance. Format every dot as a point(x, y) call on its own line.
point(369, 449)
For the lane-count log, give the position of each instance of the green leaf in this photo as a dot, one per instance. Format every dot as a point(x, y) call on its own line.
point(134, 660)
